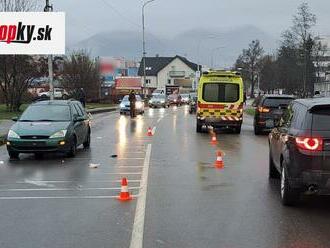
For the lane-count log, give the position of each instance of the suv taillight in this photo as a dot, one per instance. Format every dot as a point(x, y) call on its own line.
point(263, 110)
point(310, 144)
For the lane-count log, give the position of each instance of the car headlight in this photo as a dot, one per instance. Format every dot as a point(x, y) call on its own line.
point(122, 105)
point(59, 134)
point(162, 101)
point(138, 105)
point(12, 134)
point(150, 101)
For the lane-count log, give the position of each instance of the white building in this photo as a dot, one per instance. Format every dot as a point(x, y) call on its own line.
point(323, 70)
point(162, 71)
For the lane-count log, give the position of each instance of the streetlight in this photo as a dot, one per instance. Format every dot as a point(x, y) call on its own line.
point(212, 54)
point(144, 47)
point(49, 8)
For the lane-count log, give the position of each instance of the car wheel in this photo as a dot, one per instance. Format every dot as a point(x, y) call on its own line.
point(237, 130)
point(13, 155)
point(87, 143)
point(198, 128)
point(73, 148)
point(272, 173)
point(289, 196)
point(257, 130)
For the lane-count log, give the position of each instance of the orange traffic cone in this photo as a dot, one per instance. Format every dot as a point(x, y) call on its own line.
point(124, 194)
point(214, 140)
point(219, 162)
point(149, 133)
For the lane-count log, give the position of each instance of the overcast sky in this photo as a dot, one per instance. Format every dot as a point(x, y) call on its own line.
point(169, 17)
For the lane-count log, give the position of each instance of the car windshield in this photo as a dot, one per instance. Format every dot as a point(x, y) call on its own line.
point(275, 102)
point(321, 119)
point(46, 113)
point(220, 92)
point(125, 98)
point(158, 97)
point(185, 95)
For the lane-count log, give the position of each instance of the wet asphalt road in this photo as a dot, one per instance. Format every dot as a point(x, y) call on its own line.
point(60, 202)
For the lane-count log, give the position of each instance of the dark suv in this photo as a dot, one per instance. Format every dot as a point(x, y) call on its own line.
point(268, 109)
point(299, 149)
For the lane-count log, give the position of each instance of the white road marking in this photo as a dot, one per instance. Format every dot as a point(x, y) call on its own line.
point(159, 119)
point(43, 183)
point(138, 226)
point(123, 173)
point(65, 189)
point(60, 197)
point(130, 158)
point(154, 130)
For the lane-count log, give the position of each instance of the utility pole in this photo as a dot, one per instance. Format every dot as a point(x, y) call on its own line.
point(49, 8)
point(144, 48)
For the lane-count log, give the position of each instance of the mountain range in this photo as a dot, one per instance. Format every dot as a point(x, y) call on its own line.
point(206, 46)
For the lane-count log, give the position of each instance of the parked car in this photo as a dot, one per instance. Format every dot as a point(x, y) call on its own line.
point(59, 93)
point(158, 101)
point(268, 109)
point(175, 99)
point(299, 149)
point(125, 105)
point(50, 126)
point(193, 105)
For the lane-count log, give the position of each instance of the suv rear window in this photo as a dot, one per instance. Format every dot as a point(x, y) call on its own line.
point(275, 102)
point(220, 92)
point(321, 119)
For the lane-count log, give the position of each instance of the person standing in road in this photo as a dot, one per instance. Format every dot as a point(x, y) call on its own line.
point(132, 100)
point(82, 97)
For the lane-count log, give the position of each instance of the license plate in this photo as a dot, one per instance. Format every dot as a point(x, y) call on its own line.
point(269, 123)
point(34, 144)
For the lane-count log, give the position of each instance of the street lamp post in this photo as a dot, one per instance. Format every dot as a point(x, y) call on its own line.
point(144, 47)
point(49, 8)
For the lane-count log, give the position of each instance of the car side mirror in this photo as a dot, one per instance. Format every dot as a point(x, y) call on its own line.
point(15, 118)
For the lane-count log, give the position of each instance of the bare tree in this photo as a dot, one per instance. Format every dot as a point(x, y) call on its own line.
point(81, 71)
point(19, 5)
point(249, 61)
point(16, 71)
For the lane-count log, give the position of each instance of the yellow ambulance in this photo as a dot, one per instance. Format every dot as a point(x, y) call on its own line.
point(220, 100)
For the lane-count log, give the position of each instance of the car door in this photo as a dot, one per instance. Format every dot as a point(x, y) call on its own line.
point(78, 125)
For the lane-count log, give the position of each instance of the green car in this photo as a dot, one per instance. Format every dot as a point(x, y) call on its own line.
point(50, 126)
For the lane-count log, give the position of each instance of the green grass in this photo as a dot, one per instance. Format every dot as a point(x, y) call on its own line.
point(5, 115)
point(250, 111)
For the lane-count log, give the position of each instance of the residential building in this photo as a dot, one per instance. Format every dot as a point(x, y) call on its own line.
point(163, 71)
point(322, 65)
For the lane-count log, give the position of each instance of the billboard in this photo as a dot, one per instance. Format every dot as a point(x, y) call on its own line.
point(32, 33)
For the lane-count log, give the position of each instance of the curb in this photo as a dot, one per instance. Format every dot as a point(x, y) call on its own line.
point(101, 110)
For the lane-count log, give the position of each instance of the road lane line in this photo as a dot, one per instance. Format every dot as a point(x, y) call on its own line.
point(123, 173)
point(77, 181)
point(159, 119)
point(59, 197)
point(138, 226)
point(65, 189)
